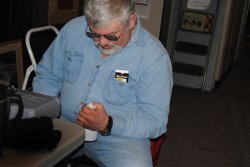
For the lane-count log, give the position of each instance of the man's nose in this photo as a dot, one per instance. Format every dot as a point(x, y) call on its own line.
point(102, 41)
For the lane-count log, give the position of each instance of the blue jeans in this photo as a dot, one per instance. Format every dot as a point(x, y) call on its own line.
point(110, 152)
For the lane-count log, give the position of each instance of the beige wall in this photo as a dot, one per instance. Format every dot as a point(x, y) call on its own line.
point(153, 24)
point(57, 16)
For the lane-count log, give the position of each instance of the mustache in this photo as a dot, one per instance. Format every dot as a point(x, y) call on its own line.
point(96, 43)
point(108, 51)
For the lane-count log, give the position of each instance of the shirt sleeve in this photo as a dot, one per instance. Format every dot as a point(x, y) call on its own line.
point(49, 71)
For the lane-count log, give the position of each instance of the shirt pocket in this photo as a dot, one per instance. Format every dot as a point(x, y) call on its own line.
point(117, 92)
point(73, 66)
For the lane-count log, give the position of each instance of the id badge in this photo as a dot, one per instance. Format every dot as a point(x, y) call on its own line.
point(122, 75)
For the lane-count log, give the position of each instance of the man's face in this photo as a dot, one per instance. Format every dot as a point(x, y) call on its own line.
point(111, 39)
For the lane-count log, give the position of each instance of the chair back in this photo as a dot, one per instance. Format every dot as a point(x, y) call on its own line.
point(42, 38)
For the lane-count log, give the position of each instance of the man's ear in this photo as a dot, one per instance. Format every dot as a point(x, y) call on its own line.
point(132, 21)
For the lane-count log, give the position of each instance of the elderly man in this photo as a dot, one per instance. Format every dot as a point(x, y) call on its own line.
point(107, 58)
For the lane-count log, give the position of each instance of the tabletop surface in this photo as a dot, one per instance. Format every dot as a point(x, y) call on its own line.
point(72, 138)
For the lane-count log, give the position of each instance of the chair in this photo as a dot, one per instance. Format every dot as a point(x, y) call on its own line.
point(155, 148)
point(33, 60)
point(155, 143)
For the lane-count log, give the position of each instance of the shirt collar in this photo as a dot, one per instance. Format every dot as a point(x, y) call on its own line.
point(137, 36)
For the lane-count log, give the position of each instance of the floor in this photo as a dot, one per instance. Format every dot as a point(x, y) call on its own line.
point(211, 129)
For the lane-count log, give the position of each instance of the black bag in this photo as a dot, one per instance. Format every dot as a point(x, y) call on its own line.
point(33, 133)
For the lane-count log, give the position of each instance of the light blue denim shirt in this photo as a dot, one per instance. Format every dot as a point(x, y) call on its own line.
point(73, 69)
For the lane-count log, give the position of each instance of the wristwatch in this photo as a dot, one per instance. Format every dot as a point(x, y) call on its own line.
point(107, 130)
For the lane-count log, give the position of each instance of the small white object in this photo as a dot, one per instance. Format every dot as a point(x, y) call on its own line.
point(198, 4)
point(90, 135)
point(91, 106)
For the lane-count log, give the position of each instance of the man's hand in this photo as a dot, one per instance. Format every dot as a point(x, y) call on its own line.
point(93, 119)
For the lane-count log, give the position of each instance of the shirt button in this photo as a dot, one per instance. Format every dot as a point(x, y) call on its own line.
point(97, 66)
point(89, 84)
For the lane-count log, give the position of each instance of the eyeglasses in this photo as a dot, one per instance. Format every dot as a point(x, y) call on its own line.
point(108, 37)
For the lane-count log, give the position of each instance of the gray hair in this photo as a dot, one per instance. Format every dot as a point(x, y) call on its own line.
point(100, 12)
